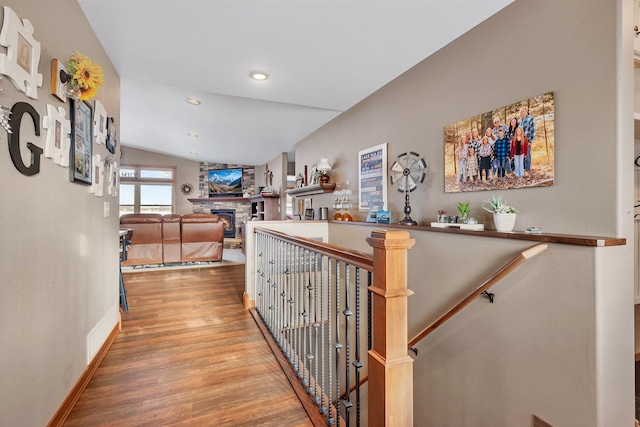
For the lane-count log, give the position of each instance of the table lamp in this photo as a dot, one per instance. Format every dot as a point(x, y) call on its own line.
point(323, 167)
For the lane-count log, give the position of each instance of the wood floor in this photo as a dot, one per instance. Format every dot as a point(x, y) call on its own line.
point(188, 355)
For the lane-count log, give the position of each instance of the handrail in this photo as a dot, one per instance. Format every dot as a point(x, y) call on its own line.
point(499, 275)
point(355, 258)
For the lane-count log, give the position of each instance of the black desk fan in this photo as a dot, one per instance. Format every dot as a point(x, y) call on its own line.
point(409, 170)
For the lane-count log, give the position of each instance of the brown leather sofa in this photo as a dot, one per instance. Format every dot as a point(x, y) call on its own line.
point(146, 241)
point(202, 237)
point(173, 238)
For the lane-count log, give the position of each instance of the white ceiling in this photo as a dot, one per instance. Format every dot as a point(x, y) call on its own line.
point(322, 58)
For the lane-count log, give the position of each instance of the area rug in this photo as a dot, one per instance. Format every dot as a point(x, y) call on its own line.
point(230, 257)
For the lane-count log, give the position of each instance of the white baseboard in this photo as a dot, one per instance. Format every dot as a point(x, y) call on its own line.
point(101, 331)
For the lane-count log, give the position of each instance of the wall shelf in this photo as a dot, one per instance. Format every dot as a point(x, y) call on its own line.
point(310, 190)
point(569, 239)
point(221, 199)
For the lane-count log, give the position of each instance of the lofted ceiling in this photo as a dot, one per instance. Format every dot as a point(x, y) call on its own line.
point(322, 57)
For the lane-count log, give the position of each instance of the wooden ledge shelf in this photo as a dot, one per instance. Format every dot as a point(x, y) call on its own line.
point(260, 197)
point(569, 239)
point(220, 199)
point(310, 190)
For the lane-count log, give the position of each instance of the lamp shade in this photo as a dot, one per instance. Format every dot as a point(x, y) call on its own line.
point(324, 165)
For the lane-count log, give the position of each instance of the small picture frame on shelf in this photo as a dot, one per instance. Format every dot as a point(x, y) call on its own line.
point(383, 217)
point(299, 181)
point(372, 216)
point(308, 214)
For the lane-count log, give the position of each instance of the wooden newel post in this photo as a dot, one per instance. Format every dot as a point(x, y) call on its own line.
point(390, 367)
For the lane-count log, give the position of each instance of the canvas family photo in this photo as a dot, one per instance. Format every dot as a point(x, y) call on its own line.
point(509, 147)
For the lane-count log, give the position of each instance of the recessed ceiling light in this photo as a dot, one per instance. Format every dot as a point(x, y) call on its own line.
point(259, 75)
point(193, 153)
point(192, 101)
point(192, 134)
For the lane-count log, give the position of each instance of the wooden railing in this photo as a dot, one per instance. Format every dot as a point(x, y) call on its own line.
point(516, 262)
point(308, 306)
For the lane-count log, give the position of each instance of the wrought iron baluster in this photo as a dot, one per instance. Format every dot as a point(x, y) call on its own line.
point(259, 275)
point(325, 262)
point(288, 301)
point(316, 328)
point(305, 334)
point(330, 419)
point(338, 344)
point(369, 316)
point(347, 326)
point(357, 364)
point(297, 312)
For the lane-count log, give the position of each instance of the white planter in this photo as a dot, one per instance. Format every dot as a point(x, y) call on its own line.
point(504, 221)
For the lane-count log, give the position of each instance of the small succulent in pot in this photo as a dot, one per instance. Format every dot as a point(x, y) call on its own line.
point(464, 208)
point(496, 205)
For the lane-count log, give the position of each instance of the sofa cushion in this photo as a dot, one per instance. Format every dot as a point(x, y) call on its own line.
point(146, 241)
point(202, 237)
point(171, 239)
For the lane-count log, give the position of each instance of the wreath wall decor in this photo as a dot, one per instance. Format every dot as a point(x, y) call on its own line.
point(186, 189)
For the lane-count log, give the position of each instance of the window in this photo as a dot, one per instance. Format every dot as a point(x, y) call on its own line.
point(146, 189)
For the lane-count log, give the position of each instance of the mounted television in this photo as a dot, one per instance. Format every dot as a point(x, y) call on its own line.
point(225, 182)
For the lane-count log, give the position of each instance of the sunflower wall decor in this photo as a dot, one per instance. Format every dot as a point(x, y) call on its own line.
point(83, 78)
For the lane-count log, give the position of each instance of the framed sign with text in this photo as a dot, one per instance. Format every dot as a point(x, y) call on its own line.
point(372, 177)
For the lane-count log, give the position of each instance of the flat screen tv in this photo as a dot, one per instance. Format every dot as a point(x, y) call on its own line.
point(225, 182)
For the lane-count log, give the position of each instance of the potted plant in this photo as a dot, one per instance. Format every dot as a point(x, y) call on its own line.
point(464, 208)
point(504, 216)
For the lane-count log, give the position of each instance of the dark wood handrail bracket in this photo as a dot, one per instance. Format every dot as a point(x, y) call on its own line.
point(512, 265)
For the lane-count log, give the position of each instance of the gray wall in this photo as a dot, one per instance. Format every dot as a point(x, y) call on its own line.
point(558, 342)
point(59, 254)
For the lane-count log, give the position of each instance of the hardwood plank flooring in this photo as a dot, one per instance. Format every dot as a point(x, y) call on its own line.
point(188, 355)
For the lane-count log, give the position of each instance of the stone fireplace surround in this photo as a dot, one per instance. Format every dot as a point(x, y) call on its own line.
point(241, 205)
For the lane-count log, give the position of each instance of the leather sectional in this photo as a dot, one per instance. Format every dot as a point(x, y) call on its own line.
point(173, 239)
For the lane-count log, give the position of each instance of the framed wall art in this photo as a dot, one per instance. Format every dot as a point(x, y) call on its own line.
point(97, 187)
point(99, 123)
point(58, 89)
point(80, 158)
point(508, 147)
point(57, 141)
point(372, 177)
point(114, 179)
point(20, 63)
point(112, 135)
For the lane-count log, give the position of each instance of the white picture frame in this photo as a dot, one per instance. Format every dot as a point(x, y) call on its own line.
point(99, 123)
point(57, 139)
point(58, 88)
point(372, 177)
point(114, 179)
point(21, 61)
point(97, 185)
